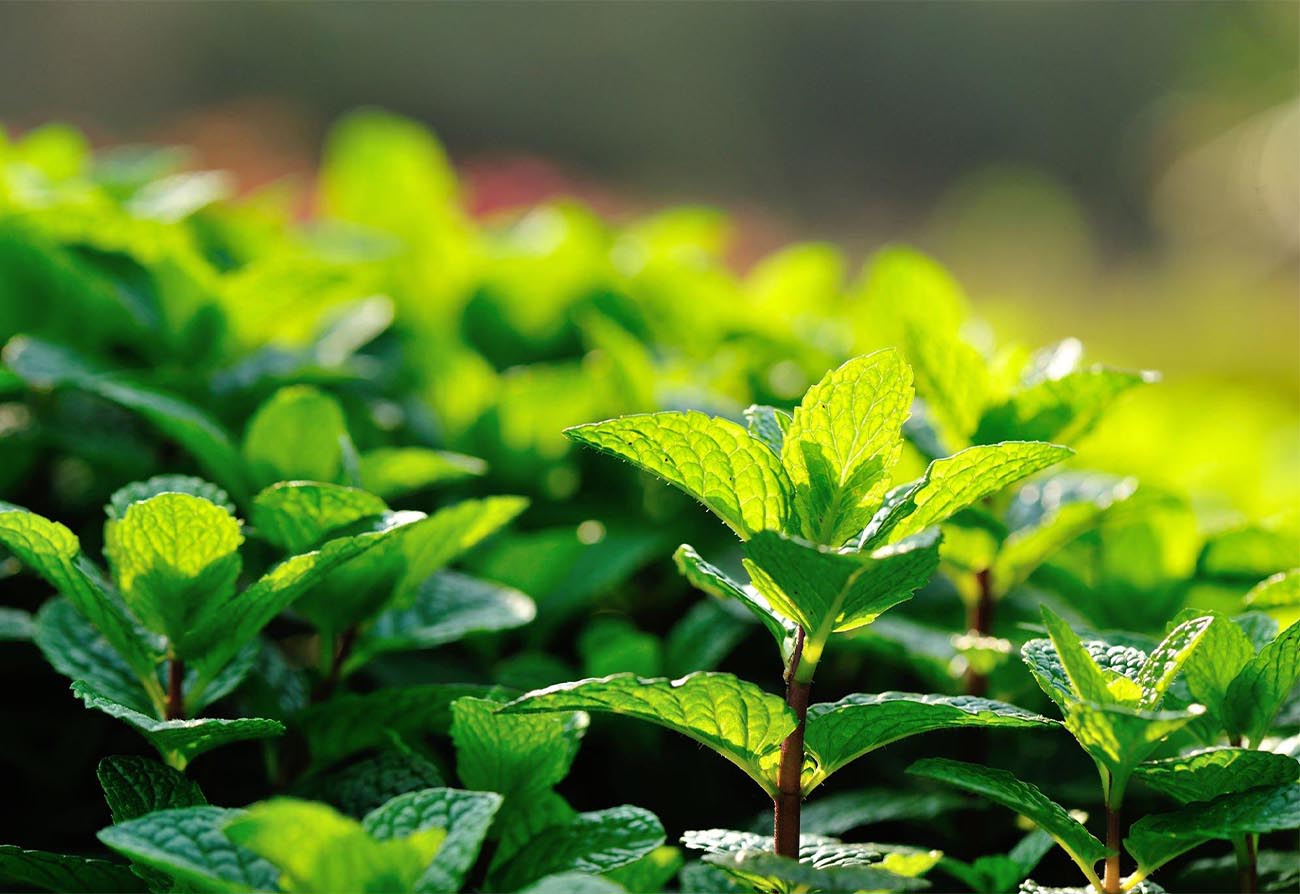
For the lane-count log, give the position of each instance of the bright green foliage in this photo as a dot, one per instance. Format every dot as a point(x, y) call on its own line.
point(1001, 873)
point(1256, 694)
point(769, 872)
point(136, 786)
point(1205, 774)
point(466, 816)
point(299, 433)
point(1058, 409)
point(393, 471)
point(844, 439)
point(180, 741)
point(1281, 591)
point(713, 460)
point(963, 479)
point(651, 872)
point(189, 844)
point(1155, 840)
point(592, 843)
point(296, 516)
point(318, 850)
point(175, 560)
point(769, 425)
point(66, 874)
point(734, 718)
point(828, 592)
point(1015, 794)
point(139, 491)
point(842, 731)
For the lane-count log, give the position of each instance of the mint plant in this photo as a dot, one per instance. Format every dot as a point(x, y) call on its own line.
point(829, 547)
point(1119, 704)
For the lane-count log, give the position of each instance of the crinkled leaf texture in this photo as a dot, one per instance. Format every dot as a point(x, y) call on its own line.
point(819, 851)
point(515, 755)
point(1256, 694)
point(1007, 790)
point(74, 648)
point(843, 731)
point(139, 491)
point(297, 515)
point(190, 845)
point(1156, 839)
point(593, 842)
point(184, 739)
point(713, 460)
point(827, 592)
point(842, 443)
point(465, 815)
point(1058, 409)
point(136, 786)
point(361, 786)
point(768, 424)
point(738, 720)
point(54, 553)
point(65, 874)
point(955, 482)
point(175, 558)
point(1205, 774)
point(765, 871)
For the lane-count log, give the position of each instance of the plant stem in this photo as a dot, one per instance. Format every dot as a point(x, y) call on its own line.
point(175, 689)
point(1247, 873)
point(789, 798)
point(341, 652)
point(1111, 881)
point(979, 622)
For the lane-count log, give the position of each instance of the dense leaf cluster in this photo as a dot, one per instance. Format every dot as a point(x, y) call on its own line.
point(321, 504)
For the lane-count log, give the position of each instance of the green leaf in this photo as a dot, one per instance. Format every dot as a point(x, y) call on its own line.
point(1156, 839)
point(465, 816)
point(511, 754)
point(54, 553)
point(352, 722)
point(703, 637)
point(841, 812)
point(703, 576)
point(139, 491)
point(395, 471)
point(186, 739)
point(767, 872)
point(298, 515)
point(135, 786)
point(360, 787)
point(734, 718)
point(713, 460)
point(843, 441)
point(1007, 790)
point(1119, 737)
point(573, 883)
point(963, 479)
point(816, 850)
point(242, 617)
point(176, 559)
point(594, 842)
point(1280, 591)
point(951, 377)
point(450, 532)
point(74, 648)
point(320, 850)
point(1167, 659)
point(298, 433)
point(827, 592)
point(614, 645)
point(1044, 662)
point(768, 424)
point(189, 844)
point(1062, 409)
point(64, 873)
point(1085, 676)
point(1257, 693)
point(45, 366)
point(1209, 671)
point(1205, 774)
point(652, 872)
point(446, 607)
point(840, 732)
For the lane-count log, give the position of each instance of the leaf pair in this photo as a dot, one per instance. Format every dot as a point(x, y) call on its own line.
point(747, 726)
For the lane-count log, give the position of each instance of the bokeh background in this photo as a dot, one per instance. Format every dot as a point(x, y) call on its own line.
point(1126, 173)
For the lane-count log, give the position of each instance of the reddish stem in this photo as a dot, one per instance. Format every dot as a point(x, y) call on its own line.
point(979, 622)
point(789, 798)
point(175, 709)
point(1111, 881)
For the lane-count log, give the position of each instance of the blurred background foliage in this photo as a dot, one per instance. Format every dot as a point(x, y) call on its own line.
point(629, 207)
